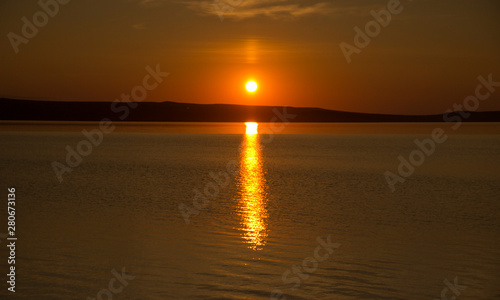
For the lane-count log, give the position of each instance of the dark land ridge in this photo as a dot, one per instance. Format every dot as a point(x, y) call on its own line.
point(35, 110)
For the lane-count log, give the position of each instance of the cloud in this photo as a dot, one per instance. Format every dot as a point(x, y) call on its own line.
point(277, 9)
point(139, 26)
point(244, 9)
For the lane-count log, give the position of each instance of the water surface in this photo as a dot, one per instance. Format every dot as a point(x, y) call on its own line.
point(120, 209)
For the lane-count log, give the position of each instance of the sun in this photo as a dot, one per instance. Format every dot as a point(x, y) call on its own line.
point(251, 86)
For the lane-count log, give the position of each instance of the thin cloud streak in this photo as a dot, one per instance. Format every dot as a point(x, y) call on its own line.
point(139, 26)
point(275, 9)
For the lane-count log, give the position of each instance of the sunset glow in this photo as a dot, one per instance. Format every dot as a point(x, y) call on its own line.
point(230, 149)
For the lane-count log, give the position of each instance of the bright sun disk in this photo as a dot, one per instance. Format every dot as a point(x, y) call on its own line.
point(251, 86)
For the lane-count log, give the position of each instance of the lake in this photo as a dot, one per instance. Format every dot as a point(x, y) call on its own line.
point(205, 211)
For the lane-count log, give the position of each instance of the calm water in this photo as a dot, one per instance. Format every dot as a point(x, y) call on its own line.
point(120, 209)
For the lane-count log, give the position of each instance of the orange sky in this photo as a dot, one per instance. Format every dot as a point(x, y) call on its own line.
point(426, 59)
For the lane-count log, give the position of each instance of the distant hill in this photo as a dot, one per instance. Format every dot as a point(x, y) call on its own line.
point(11, 109)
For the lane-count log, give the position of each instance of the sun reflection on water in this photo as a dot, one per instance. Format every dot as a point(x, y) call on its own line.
point(252, 193)
point(251, 127)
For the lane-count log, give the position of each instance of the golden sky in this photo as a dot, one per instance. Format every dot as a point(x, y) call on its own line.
point(427, 58)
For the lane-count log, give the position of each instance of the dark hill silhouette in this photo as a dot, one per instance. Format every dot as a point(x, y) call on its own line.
point(11, 109)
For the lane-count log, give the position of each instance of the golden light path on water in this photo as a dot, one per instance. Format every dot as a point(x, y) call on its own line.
point(252, 191)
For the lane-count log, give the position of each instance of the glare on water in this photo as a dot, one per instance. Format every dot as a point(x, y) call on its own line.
point(252, 193)
point(251, 127)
